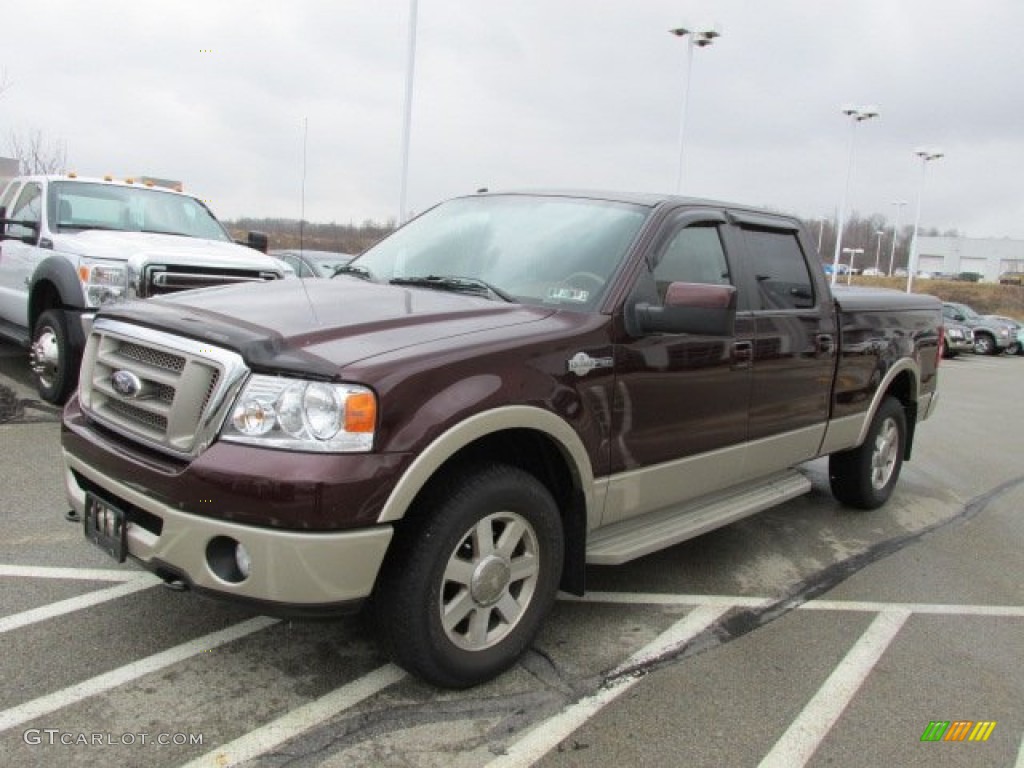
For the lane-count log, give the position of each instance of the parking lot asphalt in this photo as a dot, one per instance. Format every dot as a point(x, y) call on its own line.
point(807, 635)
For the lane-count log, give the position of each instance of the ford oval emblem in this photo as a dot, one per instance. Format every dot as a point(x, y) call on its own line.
point(126, 384)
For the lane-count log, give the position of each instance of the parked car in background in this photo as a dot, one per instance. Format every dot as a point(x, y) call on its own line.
point(70, 245)
point(992, 335)
point(873, 272)
point(958, 338)
point(313, 263)
point(1015, 347)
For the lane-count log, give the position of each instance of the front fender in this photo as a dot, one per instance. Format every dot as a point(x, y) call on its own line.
point(479, 425)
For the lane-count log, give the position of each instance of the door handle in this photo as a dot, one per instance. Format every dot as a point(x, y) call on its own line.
point(742, 354)
point(826, 343)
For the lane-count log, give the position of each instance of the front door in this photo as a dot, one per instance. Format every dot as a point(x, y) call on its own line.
point(681, 400)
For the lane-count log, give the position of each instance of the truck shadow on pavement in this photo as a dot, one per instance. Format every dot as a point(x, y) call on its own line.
point(15, 410)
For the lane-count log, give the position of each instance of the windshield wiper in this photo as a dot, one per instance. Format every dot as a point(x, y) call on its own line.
point(454, 283)
point(353, 269)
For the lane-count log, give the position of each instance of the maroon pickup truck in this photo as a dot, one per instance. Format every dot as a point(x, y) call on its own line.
point(506, 389)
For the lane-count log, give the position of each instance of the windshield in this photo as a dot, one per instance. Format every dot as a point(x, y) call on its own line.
point(74, 206)
point(534, 249)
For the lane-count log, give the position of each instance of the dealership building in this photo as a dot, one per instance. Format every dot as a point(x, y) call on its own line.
point(988, 256)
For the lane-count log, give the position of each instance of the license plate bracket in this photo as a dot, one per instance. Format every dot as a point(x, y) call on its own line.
point(105, 526)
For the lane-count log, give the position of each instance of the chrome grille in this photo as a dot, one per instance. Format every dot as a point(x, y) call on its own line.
point(152, 357)
point(169, 392)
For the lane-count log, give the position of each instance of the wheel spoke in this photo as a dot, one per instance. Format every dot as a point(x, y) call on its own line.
point(483, 539)
point(459, 571)
point(508, 608)
point(510, 538)
point(478, 622)
point(523, 568)
point(457, 609)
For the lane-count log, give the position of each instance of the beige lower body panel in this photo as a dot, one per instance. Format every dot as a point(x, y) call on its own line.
point(288, 567)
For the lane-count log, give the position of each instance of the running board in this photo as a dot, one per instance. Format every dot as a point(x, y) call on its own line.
point(630, 539)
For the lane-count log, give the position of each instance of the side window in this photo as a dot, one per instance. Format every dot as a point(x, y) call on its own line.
point(28, 208)
point(694, 254)
point(780, 269)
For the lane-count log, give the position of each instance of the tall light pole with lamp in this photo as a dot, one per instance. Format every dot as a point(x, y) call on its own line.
point(410, 70)
point(700, 38)
point(895, 231)
point(927, 154)
point(878, 248)
point(853, 255)
point(856, 115)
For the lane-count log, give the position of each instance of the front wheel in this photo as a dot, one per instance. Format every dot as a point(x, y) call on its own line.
point(469, 580)
point(1016, 348)
point(52, 358)
point(864, 477)
point(985, 344)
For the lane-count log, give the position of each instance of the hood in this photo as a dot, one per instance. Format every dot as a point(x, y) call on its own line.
point(170, 249)
point(316, 327)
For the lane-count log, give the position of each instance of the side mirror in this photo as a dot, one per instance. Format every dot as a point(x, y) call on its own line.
point(258, 241)
point(5, 223)
point(698, 308)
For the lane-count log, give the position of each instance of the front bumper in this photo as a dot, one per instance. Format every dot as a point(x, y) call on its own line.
point(291, 571)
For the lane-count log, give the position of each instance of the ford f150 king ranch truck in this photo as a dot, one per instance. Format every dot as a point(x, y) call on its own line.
point(69, 245)
point(508, 388)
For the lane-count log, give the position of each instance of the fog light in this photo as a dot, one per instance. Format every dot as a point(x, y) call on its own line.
point(228, 559)
point(243, 560)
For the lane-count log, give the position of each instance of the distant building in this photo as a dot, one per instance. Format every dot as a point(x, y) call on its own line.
point(987, 256)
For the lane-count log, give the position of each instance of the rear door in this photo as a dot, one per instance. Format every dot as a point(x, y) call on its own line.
point(794, 352)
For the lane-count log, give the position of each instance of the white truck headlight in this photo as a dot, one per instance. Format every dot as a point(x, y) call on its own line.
point(103, 282)
point(297, 415)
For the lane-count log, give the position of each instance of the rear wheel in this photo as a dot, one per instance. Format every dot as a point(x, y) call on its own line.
point(864, 477)
point(1015, 349)
point(468, 582)
point(52, 357)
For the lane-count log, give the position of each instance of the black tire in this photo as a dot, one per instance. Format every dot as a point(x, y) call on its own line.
point(1016, 348)
point(985, 344)
point(53, 358)
point(864, 477)
point(497, 593)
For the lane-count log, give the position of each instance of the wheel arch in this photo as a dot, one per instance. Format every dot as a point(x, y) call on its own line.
point(54, 285)
point(530, 438)
point(902, 382)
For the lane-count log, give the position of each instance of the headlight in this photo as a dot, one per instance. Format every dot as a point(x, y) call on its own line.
point(297, 415)
point(102, 281)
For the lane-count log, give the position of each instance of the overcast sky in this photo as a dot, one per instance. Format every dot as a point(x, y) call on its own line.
point(532, 93)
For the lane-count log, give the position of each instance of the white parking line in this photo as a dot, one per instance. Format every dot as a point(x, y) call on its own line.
point(545, 737)
point(862, 606)
point(806, 732)
point(17, 620)
point(297, 721)
point(85, 574)
point(44, 705)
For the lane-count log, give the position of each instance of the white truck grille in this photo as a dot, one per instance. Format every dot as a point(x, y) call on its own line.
point(167, 392)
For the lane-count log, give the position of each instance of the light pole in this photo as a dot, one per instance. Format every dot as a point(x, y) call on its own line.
point(700, 38)
point(853, 254)
point(926, 154)
point(410, 70)
point(878, 248)
point(857, 115)
point(895, 230)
